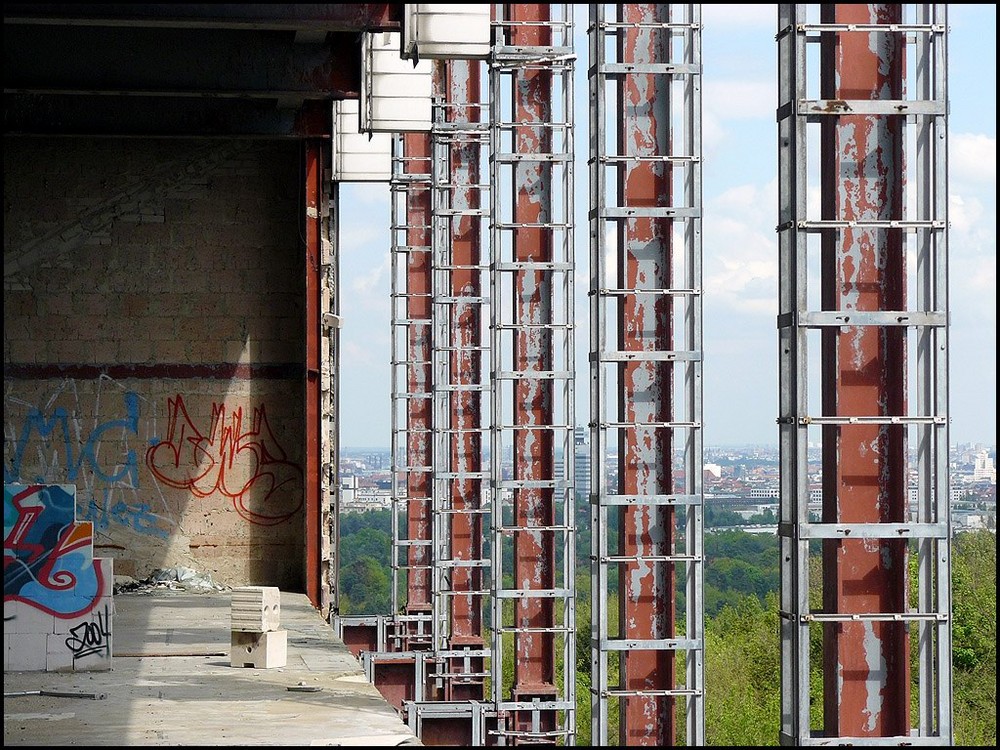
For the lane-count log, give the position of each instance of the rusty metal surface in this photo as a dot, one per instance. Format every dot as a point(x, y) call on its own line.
point(647, 604)
point(419, 418)
point(534, 456)
point(462, 94)
point(866, 666)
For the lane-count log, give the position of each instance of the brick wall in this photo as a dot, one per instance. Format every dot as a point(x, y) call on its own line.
point(154, 349)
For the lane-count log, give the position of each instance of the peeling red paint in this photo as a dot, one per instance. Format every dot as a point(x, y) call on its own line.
point(866, 673)
point(647, 606)
point(419, 420)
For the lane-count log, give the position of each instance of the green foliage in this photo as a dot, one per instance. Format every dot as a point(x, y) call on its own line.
point(364, 588)
point(743, 674)
point(365, 575)
point(739, 564)
point(974, 638)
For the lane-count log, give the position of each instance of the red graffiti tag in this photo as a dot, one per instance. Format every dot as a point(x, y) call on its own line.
point(242, 465)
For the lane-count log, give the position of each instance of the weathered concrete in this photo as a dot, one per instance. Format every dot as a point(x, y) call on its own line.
point(171, 683)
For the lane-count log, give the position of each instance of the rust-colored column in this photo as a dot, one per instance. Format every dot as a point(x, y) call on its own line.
point(647, 588)
point(313, 221)
point(534, 455)
point(866, 671)
point(419, 411)
point(462, 92)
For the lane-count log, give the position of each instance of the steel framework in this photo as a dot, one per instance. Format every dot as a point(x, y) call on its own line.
point(869, 279)
point(531, 164)
point(645, 356)
point(461, 366)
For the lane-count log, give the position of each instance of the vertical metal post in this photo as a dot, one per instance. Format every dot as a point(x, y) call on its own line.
point(459, 309)
point(866, 670)
point(419, 421)
point(314, 223)
point(410, 190)
point(532, 294)
point(883, 393)
point(647, 586)
point(645, 332)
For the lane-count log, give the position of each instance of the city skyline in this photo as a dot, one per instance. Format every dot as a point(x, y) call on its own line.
point(740, 384)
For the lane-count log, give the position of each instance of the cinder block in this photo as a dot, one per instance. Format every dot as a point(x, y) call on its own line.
point(21, 617)
point(256, 609)
point(25, 652)
point(82, 650)
point(260, 650)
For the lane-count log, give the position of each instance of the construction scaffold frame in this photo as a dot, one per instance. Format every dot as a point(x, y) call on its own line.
point(863, 372)
point(461, 350)
point(533, 409)
point(646, 373)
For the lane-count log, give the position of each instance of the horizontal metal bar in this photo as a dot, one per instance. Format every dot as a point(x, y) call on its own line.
point(864, 530)
point(820, 108)
point(512, 629)
point(676, 26)
point(534, 484)
point(519, 529)
point(533, 593)
point(897, 741)
point(652, 644)
point(935, 28)
point(511, 158)
point(646, 356)
point(615, 559)
point(822, 225)
point(866, 617)
point(449, 300)
point(458, 563)
point(616, 69)
point(647, 499)
point(643, 212)
point(874, 420)
point(540, 705)
point(825, 319)
point(613, 291)
point(534, 375)
point(534, 266)
point(635, 158)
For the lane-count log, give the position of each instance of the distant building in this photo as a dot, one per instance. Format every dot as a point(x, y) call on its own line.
point(984, 468)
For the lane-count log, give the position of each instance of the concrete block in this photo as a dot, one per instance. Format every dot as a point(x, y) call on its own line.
point(81, 651)
point(21, 617)
point(261, 650)
point(25, 652)
point(256, 609)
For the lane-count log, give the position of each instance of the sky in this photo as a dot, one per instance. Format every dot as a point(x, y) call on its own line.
point(740, 279)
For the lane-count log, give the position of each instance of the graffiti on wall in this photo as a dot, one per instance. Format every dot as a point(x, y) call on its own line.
point(239, 459)
point(48, 558)
point(58, 439)
point(104, 441)
point(91, 638)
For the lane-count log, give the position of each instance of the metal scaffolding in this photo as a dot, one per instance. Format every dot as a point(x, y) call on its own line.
point(533, 415)
point(461, 366)
point(646, 358)
point(868, 279)
point(411, 449)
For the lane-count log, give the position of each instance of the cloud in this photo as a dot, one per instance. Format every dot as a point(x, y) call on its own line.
point(741, 266)
point(973, 158)
point(728, 16)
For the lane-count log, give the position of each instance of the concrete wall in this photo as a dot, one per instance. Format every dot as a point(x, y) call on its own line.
point(153, 347)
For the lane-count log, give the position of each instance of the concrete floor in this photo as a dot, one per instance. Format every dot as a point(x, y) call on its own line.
point(171, 683)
